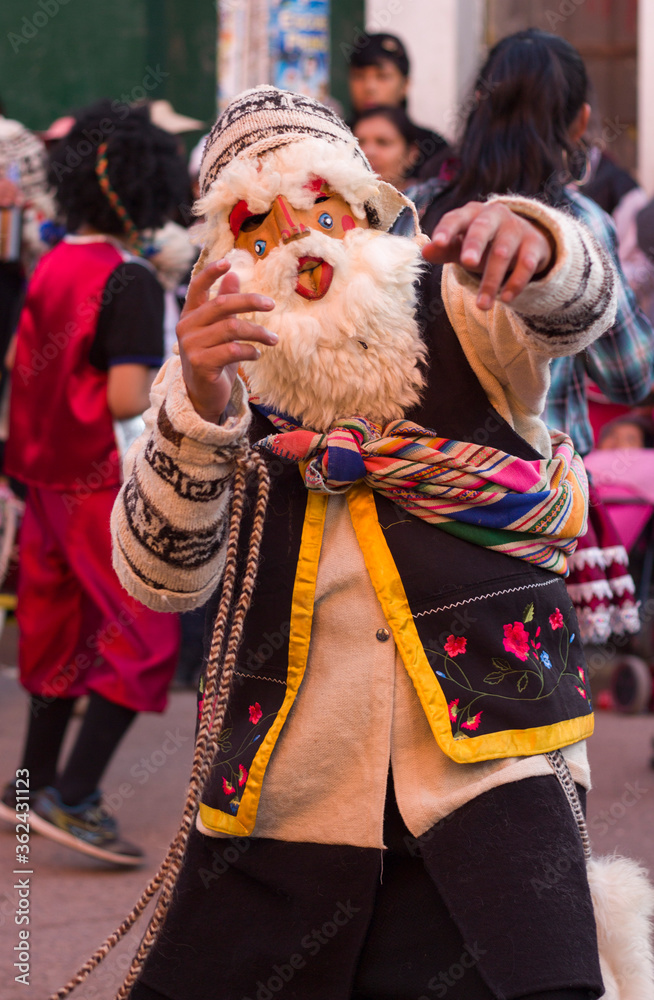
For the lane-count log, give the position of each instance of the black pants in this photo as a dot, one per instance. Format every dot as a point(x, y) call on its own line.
point(491, 903)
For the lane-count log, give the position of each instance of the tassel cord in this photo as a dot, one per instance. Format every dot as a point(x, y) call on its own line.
point(214, 706)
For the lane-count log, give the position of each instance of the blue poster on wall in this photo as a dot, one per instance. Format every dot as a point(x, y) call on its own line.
point(299, 46)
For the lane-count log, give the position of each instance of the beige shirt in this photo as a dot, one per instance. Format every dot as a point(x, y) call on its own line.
point(356, 715)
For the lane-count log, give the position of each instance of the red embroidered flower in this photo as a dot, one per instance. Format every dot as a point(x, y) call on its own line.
point(255, 713)
point(200, 706)
point(455, 644)
point(582, 674)
point(227, 788)
point(581, 691)
point(242, 775)
point(556, 619)
point(516, 640)
point(453, 709)
point(472, 723)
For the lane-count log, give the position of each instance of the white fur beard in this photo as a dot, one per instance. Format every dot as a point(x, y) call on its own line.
point(354, 352)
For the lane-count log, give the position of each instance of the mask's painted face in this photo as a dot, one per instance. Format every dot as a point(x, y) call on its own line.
point(259, 234)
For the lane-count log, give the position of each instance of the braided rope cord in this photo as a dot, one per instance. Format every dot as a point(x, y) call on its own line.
point(218, 679)
point(102, 173)
point(559, 765)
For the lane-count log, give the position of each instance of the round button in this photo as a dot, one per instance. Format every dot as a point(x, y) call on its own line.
point(383, 634)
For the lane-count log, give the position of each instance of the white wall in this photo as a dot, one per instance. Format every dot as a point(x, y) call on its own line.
point(444, 41)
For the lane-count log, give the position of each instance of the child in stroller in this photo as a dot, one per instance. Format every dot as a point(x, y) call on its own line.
point(622, 473)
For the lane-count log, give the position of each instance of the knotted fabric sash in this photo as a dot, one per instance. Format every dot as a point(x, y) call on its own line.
point(532, 510)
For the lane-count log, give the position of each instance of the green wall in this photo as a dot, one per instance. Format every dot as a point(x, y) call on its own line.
point(55, 57)
point(347, 22)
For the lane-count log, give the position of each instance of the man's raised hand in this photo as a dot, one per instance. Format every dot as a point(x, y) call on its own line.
point(488, 239)
point(213, 340)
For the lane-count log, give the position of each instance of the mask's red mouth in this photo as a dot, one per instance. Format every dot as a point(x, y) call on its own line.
point(314, 276)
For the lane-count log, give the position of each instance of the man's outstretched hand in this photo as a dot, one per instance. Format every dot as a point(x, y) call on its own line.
point(213, 340)
point(492, 241)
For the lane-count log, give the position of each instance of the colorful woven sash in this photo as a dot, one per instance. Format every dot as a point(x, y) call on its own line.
point(532, 510)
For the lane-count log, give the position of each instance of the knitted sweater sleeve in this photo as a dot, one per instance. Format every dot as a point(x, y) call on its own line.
point(169, 521)
point(509, 347)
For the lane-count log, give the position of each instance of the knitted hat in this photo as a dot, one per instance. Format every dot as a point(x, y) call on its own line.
point(265, 118)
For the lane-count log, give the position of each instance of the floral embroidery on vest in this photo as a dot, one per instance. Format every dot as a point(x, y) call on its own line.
point(237, 774)
point(529, 673)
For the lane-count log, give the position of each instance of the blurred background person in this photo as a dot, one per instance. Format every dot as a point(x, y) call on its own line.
point(194, 160)
point(388, 138)
point(634, 430)
point(523, 135)
point(379, 75)
point(621, 196)
point(89, 341)
point(25, 202)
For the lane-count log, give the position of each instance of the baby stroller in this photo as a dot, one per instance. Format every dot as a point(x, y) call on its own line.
point(624, 480)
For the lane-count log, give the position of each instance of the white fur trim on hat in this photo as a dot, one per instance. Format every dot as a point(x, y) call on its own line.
point(265, 119)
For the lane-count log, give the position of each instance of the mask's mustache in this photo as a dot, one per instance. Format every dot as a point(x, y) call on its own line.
point(314, 246)
point(303, 269)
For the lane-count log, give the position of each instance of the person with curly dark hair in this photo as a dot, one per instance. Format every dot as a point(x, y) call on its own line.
point(89, 338)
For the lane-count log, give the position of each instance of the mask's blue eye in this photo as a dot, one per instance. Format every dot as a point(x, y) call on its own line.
point(260, 248)
point(326, 220)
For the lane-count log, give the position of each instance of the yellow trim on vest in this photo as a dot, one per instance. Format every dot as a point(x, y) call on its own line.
point(392, 597)
point(304, 589)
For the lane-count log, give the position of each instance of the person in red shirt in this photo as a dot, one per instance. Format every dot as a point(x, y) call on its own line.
point(89, 339)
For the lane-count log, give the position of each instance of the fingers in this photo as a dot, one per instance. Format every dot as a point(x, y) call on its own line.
point(448, 254)
point(206, 351)
point(535, 254)
point(230, 284)
point(500, 254)
point(227, 341)
point(200, 284)
point(213, 340)
point(225, 305)
point(512, 251)
point(489, 230)
point(447, 237)
point(210, 358)
point(492, 241)
point(200, 310)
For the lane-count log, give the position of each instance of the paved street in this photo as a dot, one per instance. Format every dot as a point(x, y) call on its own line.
point(75, 901)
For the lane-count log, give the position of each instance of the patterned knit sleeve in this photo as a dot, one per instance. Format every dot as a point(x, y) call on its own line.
point(575, 302)
point(169, 521)
point(509, 347)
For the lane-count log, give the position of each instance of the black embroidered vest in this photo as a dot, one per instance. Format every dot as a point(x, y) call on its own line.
point(490, 642)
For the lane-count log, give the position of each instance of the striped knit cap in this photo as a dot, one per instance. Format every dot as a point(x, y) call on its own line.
point(265, 118)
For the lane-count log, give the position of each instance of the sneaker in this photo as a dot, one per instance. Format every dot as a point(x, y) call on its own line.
point(86, 828)
point(8, 803)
